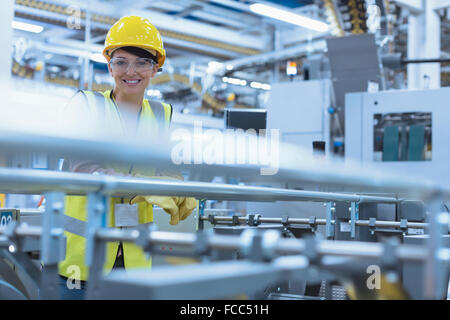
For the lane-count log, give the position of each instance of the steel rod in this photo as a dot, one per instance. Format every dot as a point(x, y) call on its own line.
point(361, 223)
point(228, 242)
point(38, 181)
point(266, 220)
point(295, 165)
point(393, 224)
point(24, 230)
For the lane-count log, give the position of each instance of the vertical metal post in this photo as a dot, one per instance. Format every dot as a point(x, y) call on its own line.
point(53, 244)
point(97, 214)
point(6, 14)
point(201, 213)
point(353, 218)
point(424, 42)
point(95, 249)
point(330, 220)
point(435, 266)
point(87, 81)
point(277, 46)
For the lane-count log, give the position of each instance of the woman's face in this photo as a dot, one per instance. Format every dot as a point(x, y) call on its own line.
point(131, 80)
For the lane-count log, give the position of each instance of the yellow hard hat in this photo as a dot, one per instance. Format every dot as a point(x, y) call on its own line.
point(134, 31)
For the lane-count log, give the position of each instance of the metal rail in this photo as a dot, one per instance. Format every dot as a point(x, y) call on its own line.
point(272, 247)
point(294, 166)
point(38, 181)
point(362, 223)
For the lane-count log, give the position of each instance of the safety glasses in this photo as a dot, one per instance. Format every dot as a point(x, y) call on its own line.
point(139, 65)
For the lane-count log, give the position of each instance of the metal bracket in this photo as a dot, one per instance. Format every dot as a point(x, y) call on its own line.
point(372, 224)
point(313, 223)
point(285, 221)
point(212, 219)
point(201, 214)
point(143, 240)
point(404, 226)
point(253, 220)
point(235, 220)
point(353, 217)
point(330, 220)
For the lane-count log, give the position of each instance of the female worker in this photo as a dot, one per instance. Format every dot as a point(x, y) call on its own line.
point(134, 51)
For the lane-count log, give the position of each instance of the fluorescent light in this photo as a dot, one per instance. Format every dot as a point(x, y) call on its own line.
point(98, 57)
point(259, 85)
point(27, 27)
point(256, 85)
point(289, 17)
point(214, 66)
point(235, 81)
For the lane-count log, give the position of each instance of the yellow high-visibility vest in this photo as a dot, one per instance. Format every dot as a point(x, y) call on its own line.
point(153, 114)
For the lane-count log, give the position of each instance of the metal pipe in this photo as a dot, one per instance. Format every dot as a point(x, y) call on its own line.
point(222, 242)
point(361, 223)
point(393, 224)
point(282, 247)
point(4, 241)
point(37, 181)
point(24, 230)
point(158, 154)
point(267, 220)
point(409, 61)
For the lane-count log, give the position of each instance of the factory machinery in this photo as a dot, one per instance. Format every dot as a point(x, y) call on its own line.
point(251, 256)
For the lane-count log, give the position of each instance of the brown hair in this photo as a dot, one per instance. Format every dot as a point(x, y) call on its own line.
point(141, 53)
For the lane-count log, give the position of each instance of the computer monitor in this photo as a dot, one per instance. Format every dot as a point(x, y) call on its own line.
point(246, 119)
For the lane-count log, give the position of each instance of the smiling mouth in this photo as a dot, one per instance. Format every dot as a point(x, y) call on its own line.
point(131, 81)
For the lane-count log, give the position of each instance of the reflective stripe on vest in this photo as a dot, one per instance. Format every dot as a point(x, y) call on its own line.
point(79, 227)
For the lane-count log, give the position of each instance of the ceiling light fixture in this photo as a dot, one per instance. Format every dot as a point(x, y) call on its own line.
point(289, 17)
point(27, 27)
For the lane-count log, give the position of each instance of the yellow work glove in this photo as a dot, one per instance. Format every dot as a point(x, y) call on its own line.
point(187, 206)
point(169, 204)
point(179, 208)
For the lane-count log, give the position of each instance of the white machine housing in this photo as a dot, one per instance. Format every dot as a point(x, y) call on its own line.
point(300, 111)
point(360, 109)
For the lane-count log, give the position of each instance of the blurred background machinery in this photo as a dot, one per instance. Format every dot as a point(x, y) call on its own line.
point(364, 81)
point(232, 54)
